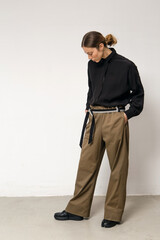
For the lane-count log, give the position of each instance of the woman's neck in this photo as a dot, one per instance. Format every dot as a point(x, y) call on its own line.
point(106, 52)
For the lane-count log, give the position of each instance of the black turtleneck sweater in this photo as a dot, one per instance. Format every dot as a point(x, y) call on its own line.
point(114, 81)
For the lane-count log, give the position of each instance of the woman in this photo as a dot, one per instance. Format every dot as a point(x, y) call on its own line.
point(113, 82)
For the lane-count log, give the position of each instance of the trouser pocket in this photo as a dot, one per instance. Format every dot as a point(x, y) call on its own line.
point(122, 114)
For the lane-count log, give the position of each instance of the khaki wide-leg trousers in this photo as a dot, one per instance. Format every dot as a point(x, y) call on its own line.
point(110, 133)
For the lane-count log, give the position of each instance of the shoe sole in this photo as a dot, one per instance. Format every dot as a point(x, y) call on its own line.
point(68, 218)
point(109, 226)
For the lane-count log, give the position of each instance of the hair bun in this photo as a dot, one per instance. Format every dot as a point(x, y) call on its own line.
point(110, 40)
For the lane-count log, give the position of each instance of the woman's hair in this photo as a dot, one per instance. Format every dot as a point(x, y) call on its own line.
point(93, 39)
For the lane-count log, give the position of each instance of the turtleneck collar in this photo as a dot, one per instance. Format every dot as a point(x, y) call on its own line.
point(108, 58)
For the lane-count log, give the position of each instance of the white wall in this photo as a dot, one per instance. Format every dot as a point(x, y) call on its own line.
point(43, 88)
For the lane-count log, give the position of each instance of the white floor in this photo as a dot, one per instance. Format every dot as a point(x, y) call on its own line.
point(32, 218)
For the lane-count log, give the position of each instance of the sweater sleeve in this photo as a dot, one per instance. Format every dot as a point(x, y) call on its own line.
point(89, 94)
point(136, 92)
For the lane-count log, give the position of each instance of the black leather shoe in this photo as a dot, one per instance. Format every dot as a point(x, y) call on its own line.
point(108, 223)
point(67, 216)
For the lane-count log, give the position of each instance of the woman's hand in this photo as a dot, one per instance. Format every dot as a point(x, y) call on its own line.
point(86, 110)
point(126, 119)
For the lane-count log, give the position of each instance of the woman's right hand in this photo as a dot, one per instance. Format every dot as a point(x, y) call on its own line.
point(86, 110)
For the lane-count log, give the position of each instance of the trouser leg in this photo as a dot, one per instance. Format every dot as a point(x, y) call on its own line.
point(116, 137)
point(89, 164)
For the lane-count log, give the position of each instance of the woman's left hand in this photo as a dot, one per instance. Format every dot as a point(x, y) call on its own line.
point(126, 119)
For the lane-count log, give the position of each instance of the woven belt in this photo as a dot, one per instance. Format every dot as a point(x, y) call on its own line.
point(90, 111)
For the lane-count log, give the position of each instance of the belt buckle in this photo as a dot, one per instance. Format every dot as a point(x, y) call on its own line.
point(117, 109)
point(90, 112)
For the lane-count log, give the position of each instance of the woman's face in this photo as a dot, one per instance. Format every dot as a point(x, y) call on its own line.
point(94, 54)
